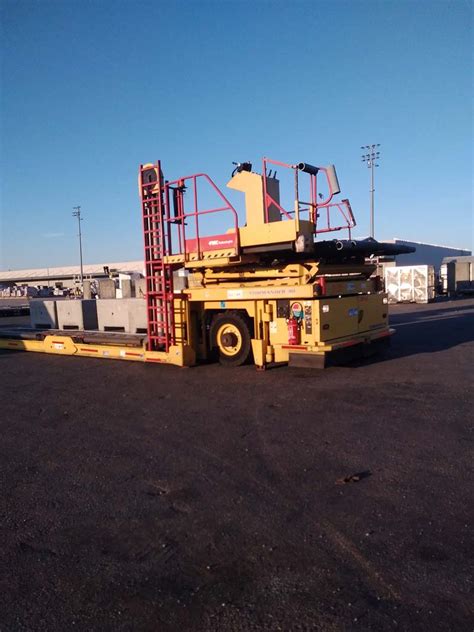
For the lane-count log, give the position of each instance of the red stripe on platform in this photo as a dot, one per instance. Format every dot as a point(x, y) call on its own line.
point(349, 344)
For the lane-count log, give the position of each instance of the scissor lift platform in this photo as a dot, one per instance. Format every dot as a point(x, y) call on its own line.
point(271, 290)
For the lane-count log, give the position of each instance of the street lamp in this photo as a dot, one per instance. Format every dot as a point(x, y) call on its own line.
point(370, 157)
point(77, 213)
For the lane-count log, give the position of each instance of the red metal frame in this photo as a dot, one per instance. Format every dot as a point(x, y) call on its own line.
point(344, 209)
point(159, 244)
point(314, 207)
point(158, 274)
point(198, 243)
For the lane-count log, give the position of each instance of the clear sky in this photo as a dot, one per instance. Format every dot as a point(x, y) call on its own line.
point(91, 89)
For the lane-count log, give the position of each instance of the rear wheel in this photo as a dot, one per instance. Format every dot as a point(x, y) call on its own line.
point(230, 337)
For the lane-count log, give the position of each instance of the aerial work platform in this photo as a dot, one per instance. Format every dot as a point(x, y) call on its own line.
point(270, 289)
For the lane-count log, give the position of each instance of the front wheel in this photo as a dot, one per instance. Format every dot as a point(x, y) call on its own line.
point(230, 336)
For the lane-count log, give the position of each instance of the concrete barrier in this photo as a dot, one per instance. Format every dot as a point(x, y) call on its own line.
point(140, 288)
point(126, 288)
point(43, 314)
point(86, 289)
point(107, 288)
point(77, 314)
point(123, 314)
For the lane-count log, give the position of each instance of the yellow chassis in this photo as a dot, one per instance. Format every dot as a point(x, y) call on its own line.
point(332, 322)
point(179, 355)
point(65, 345)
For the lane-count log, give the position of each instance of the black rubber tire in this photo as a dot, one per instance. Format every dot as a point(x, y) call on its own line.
point(241, 323)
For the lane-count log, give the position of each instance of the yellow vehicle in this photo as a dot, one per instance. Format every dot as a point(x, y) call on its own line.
point(271, 290)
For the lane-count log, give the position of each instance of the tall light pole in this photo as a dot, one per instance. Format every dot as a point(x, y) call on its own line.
point(370, 157)
point(76, 212)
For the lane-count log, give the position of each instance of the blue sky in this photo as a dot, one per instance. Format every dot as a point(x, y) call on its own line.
point(89, 90)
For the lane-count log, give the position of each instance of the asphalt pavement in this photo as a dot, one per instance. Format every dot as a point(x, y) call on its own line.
point(145, 497)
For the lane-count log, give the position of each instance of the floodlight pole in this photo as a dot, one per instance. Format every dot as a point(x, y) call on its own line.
point(77, 213)
point(371, 157)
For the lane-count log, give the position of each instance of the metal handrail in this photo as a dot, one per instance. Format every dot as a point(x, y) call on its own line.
point(344, 209)
point(180, 217)
point(313, 206)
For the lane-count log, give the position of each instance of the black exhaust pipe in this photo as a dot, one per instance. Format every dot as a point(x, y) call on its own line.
point(304, 166)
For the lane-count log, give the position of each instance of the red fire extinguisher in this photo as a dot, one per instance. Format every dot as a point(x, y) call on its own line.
point(293, 331)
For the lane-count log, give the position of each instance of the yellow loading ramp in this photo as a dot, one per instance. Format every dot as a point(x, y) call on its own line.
point(74, 344)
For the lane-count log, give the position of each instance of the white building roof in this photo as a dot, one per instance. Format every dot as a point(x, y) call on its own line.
point(92, 269)
point(423, 243)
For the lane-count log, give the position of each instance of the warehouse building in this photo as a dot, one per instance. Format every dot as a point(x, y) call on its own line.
point(426, 254)
point(68, 276)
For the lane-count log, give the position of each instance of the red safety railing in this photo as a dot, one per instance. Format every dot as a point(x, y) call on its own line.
point(187, 220)
point(324, 213)
point(171, 227)
point(314, 209)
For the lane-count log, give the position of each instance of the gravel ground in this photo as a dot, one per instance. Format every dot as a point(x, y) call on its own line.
point(138, 497)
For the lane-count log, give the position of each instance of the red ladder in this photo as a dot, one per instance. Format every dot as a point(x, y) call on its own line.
point(158, 273)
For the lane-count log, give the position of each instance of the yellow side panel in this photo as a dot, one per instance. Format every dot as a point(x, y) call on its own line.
point(236, 294)
point(248, 306)
point(349, 286)
point(371, 312)
point(340, 320)
point(281, 355)
point(251, 184)
point(273, 232)
point(258, 350)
